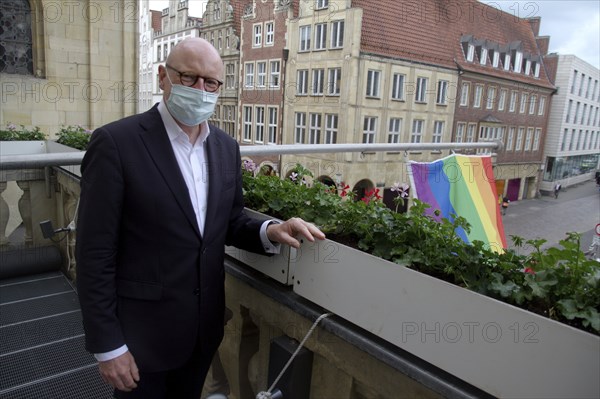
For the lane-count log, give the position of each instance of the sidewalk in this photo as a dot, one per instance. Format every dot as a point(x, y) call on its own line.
point(576, 209)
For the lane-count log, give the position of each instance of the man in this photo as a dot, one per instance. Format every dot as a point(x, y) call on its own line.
point(557, 188)
point(160, 197)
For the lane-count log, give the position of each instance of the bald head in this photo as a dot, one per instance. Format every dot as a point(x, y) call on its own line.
point(193, 56)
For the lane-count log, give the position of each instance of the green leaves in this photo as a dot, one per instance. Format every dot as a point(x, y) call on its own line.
point(13, 132)
point(557, 282)
point(74, 136)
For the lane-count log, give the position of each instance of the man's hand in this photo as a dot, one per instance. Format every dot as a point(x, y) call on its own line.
point(286, 232)
point(120, 372)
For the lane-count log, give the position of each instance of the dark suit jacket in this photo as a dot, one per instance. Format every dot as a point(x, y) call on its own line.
point(146, 277)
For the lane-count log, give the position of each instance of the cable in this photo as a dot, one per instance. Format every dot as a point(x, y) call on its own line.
point(267, 394)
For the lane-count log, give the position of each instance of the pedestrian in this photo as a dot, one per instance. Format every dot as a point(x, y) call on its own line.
point(505, 202)
point(557, 188)
point(161, 196)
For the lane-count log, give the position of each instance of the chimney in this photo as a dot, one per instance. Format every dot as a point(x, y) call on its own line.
point(543, 43)
point(535, 23)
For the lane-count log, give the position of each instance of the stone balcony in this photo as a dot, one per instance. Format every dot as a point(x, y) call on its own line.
point(268, 320)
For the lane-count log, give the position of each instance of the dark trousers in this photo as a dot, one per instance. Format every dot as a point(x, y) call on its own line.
point(183, 383)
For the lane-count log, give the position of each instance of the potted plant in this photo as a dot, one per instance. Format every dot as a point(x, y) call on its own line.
point(512, 325)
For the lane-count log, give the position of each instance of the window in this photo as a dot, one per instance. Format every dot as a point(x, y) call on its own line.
point(536, 139)
point(572, 139)
point(421, 92)
point(510, 139)
point(471, 132)
point(442, 92)
point(257, 35)
point(518, 62)
point(272, 125)
point(302, 85)
point(398, 86)
point(502, 99)
point(536, 69)
point(470, 52)
point(16, 42)
point(260, 125)
point(247, 124)
point(369, 127)
point(300, 129)
point(322, 4)
point(417, 131)
point(305, 38)
point(464, 94)
point(249, 83)
point(274, 74)
point(569, 111)
point(583, 114)
point(483, 56)
point(478, 95)
point(337, 34)
point(333, 85)
point(314, 133)
point(438, 131)
point(527, 67)
point(495, 59)
point(491, 98)
point(230, 76)
point(564, 139)
point(460, 132)
point(318, 81)
point(574, 82)
point(581, 82)
point(372, 83)
point(395, 130)
point(528, 138)
point(220, 40)
point(507, 62)
point(261, 74)
point(532, 104)
point(320, 36)
point(523, 104)
point(331, 128)
point(542, 106)
point(158, 53)
point(519, 142)
point(576, 112)
point(512, 105)
point(269, 33)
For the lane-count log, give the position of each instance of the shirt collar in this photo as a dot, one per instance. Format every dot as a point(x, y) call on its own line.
point(173, 129)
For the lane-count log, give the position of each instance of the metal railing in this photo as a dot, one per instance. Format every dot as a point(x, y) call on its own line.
point(35, 161)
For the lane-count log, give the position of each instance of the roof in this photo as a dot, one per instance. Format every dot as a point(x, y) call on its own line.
point(430, 31)
point(156, 20)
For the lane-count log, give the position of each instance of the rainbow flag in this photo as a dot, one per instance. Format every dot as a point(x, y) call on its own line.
point(462, 185)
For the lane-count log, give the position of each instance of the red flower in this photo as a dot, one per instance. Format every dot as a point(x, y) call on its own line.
point(344, 190)
point(529, 270)
point(372, 194)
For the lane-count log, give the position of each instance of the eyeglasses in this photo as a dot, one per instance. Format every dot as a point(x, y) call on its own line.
point(187, 79)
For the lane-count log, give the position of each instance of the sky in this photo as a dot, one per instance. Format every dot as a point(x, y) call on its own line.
point(573, 25)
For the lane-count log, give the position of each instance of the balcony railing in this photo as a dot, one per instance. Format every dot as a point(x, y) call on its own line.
point(346, 360)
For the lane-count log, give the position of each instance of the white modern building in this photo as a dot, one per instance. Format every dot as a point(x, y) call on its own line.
point(572, 147)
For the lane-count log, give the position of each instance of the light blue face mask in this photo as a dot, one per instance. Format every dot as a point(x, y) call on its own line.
point(190, 106)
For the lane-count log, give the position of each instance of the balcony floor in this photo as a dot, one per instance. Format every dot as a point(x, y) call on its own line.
point(42, 352)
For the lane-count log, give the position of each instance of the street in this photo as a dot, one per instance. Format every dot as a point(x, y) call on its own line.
point(577, 208)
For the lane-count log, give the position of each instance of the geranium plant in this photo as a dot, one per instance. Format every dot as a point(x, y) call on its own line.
point(74, 136)
point(560, 283)
point(13, 132)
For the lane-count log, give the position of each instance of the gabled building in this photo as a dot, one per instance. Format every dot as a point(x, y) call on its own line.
point(221, 25)
point(263, 51)
point(149, 22)
point(504, 94)
point(572, 148)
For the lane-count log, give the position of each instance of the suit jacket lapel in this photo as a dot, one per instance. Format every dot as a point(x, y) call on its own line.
point(215, 181)
point(158, 145)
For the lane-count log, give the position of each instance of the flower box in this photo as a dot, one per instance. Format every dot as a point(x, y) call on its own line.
point(501, 349)
point(279, 266)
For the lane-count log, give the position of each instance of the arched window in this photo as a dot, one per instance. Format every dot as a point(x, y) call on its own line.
point(16, 55)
